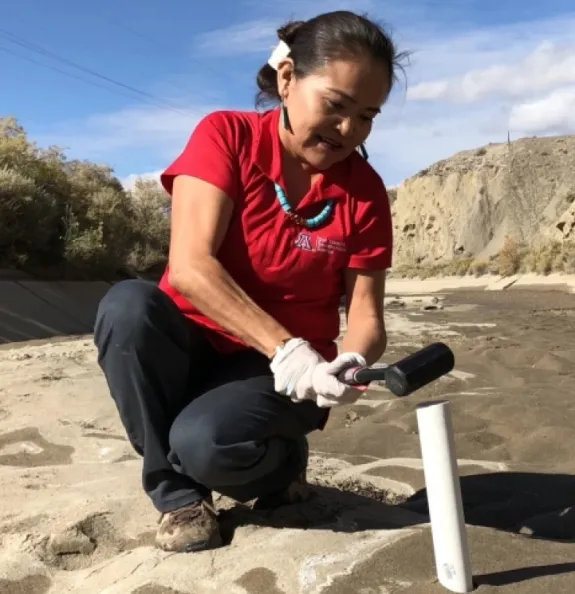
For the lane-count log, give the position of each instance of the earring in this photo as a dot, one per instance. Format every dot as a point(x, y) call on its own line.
point(285, 117)
point(363, 151)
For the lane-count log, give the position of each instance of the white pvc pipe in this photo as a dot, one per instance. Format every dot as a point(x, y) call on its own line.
point(448, 530)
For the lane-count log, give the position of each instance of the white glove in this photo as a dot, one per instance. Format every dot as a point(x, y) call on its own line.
point(292, 367)
point(330, 391)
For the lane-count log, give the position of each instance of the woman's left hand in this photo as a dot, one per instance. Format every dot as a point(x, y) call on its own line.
point(330, 391)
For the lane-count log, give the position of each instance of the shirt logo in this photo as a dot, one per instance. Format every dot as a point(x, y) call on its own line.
point(330, 245)
point(303, 241)
point(321, 244)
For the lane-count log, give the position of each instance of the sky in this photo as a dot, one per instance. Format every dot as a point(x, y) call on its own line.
point(124, 82)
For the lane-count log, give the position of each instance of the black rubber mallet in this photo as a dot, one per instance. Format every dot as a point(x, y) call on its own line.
point(407, 375)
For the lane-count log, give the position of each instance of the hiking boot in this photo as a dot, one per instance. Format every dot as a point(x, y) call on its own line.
point(297, 491)
point(190, 528)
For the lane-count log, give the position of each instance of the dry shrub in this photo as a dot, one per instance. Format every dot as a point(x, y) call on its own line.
point(494, 265)
point(551, 257)
point(542, 258)
point(568, 257)
point(458, 267)
point(479, 268)
point(509, 258)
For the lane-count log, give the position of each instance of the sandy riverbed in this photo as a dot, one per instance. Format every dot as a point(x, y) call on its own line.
point(74, 519)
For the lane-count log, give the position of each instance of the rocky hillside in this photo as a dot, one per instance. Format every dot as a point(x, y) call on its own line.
point(466, 205)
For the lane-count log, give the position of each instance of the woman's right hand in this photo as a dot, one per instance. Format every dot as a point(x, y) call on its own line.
point(293, 366)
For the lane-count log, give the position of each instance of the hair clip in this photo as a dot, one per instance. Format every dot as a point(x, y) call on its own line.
point(281, 52)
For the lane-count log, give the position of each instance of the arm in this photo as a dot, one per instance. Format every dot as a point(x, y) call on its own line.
point(200, 217)
point(366, 334)
point(371, 247)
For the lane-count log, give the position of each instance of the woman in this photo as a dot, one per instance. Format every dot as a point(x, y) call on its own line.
point(221, 371)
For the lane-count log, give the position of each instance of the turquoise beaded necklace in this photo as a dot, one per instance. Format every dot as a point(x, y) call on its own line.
point(312, 223)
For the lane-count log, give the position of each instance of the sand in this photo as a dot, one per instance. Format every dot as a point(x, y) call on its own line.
point(73, 517)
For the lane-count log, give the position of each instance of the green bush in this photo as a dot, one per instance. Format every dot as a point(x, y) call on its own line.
point(72, 217)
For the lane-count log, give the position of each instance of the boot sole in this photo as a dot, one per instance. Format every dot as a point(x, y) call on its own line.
point(196, 547)
point(205, 545)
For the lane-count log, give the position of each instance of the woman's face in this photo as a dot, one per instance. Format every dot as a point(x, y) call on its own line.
point(331, 111)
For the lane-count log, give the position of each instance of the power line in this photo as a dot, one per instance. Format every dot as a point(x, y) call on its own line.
point(141, 95)
point(128, 28)
point(172, 48)
point(66, 73)
point(116, 22)
point(132, 31)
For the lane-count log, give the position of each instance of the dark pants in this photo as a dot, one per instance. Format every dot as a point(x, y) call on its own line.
point(201, 420)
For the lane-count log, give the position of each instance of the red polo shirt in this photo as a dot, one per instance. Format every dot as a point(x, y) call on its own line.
point(294, 274)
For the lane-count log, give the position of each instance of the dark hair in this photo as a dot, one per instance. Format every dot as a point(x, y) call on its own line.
point(330, 36)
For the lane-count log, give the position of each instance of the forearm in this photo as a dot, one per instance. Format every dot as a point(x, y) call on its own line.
point(209, 287)
point(367, 337)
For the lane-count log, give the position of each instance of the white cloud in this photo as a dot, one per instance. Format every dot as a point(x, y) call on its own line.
point(248, 37)
point(402, 147)
point(259, 34)
point(474, 87)
point(428, 91)
point(136, 141)
point(554, 112)
point(448, 53)
point(471, 86)
point(132, 129)
point(306, 9)
point(130, 180)
point(549, 65)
